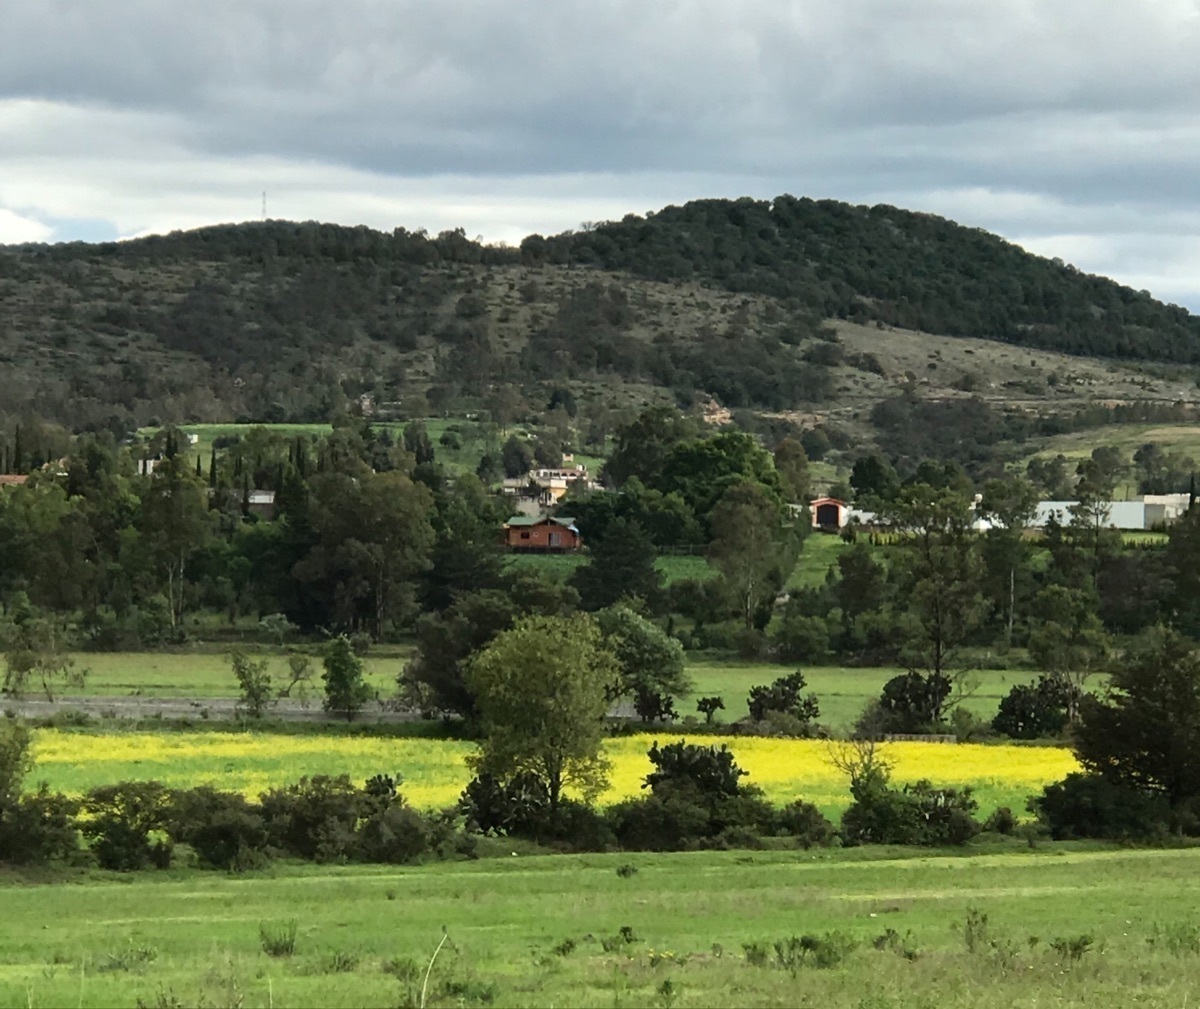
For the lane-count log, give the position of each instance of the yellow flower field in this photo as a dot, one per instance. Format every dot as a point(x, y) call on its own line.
point(435, 771)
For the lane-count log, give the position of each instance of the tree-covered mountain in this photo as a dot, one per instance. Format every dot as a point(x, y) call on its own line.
point(912, 270)
point(738, 301)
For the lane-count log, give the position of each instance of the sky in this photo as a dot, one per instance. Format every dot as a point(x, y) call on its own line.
point(1069, 126)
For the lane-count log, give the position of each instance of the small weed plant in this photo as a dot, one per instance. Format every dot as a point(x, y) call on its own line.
point(278, 939)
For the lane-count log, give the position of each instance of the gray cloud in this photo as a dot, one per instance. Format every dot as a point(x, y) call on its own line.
point(1073, 125)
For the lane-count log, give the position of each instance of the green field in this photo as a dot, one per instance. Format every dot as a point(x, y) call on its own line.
point(204, 675)
point(474, 440)
point(673, 568)
point(842, 692)
point(997, 927)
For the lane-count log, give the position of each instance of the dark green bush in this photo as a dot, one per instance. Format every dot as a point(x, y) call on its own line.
point(658, 823)
point(783, 696)
point(944, 815)
point(807, 824)
point(223, 828)
point(39, 828)
point(1034, 710)
point(119, 820)
point(1001, 821)
point(1086, 805)
point(314, 819)
point(881, 815)
point(696, 801)
point(519, 807)
point(393, 835)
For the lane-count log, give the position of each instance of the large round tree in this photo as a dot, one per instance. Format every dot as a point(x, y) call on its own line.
point(541, 692)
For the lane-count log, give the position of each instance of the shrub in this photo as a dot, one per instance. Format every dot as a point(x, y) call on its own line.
point(393, 835)
point(1088, 806)
point(881, 815)
point(223, 828)
point(802, 638)
point(658, 823)
point(254, 683)
point(696, 800)
point(707, 770)
point(578, 827)
point(1034, 711)
point(945, 815)
point(315, 818)
point(783, 696)
point(913, 702)
point(39, 828)
point(1001, 821)
point(518, 807)
point(119, 819)
point(807, 824)
point(709, 706)
point(652, 706)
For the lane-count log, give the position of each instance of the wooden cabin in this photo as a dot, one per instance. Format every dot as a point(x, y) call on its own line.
point(552, 535)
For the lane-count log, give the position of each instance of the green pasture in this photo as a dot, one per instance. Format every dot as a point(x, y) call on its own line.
point(475, 439)
point(842, 692)
point(818, 556)
point(992, 927)
point(1126, 437)
point(673, 568)
point(197, 674)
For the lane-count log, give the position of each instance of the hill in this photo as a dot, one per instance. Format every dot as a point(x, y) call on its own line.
point(794, 307)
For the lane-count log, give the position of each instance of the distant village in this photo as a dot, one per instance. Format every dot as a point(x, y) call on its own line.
point(534, 497)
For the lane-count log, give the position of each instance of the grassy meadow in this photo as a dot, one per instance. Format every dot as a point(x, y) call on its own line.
point(474, 440)
point(984, 928)
point(842, 691)
point(435, 771)
point(204, 674)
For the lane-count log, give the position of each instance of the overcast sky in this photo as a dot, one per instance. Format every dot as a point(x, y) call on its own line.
point(1070, 126)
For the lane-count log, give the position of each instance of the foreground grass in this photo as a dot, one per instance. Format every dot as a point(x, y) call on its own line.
point(975, 931)
point(435, 771)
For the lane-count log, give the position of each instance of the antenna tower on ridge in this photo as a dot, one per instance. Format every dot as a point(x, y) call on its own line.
point(264, 209)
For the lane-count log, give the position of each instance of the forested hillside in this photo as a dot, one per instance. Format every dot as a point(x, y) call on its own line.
point(917, 271)
point(787, 306)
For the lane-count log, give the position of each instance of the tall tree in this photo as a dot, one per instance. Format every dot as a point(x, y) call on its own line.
point(346, 689)
point(752, 548)
point(791, 462)
point(542, 694)
point(1145, 732)
point(651, 662)
point(641, 446)
point(373, 539)
point(938, 573)
point(1010, 505)
point(621, 565)
point(1069, 642)
point(174, 524)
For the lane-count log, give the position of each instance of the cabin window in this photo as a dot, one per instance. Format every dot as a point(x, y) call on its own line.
point(524, 536)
